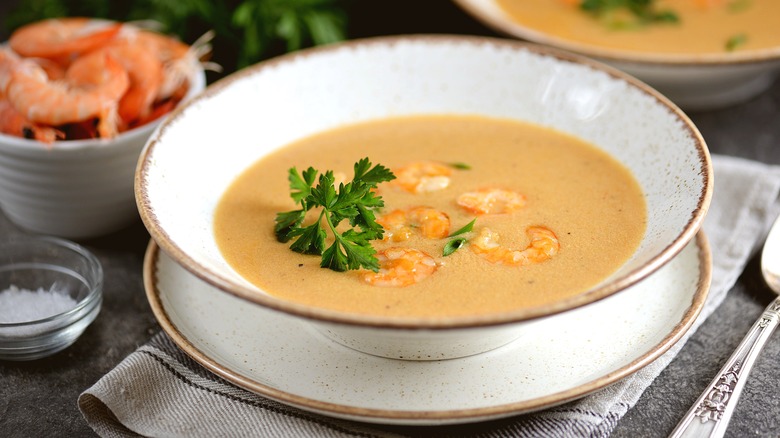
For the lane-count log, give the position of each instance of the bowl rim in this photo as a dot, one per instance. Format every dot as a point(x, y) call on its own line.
point(511, 28)
point(166, 243)
point(95, 288)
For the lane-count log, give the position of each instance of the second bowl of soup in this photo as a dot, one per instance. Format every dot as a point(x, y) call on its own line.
point(702, 54)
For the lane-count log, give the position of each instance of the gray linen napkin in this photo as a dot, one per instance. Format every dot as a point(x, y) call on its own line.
point(159, 391)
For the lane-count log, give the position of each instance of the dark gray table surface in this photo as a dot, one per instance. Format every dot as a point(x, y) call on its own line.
point(39, 398)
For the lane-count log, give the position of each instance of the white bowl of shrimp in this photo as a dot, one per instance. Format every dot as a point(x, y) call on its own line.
point(80, 98)
point(425, 197)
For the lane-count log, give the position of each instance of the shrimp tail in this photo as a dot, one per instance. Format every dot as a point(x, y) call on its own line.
point(108, 122)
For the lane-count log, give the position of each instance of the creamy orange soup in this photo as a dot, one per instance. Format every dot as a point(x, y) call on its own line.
point(586, 198)
point(704, 26)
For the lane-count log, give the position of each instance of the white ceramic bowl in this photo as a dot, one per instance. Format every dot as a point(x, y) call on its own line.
point(262, 108)
point(694, 82)
point(74, 189)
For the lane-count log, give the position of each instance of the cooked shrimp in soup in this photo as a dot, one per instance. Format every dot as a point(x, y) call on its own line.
point(399, 225)
point(537, 236)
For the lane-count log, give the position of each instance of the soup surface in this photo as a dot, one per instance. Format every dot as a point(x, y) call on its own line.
point(713, 26)
point(586, 198)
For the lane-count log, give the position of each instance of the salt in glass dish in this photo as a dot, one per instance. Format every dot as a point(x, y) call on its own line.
point(32, 269)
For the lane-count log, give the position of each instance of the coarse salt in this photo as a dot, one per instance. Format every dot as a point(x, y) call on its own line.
point(21, 305)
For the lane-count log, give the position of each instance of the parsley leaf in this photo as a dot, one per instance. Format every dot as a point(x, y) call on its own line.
point(353, 202)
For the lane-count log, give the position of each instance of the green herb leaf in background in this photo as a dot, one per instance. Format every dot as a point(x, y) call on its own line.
point(247, 31)
point(627, 14)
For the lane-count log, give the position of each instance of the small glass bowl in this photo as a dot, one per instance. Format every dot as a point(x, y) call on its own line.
point(55, 266)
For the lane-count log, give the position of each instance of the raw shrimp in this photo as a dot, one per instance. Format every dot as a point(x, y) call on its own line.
point(62, 38)
point(92, 88)
point(422, 177)
point(400, 224)
point(13, 123)
point(544, 245)
point(399, 267)
point(491, 201)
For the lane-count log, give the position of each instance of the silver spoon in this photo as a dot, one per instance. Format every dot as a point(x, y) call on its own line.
point(710, 415)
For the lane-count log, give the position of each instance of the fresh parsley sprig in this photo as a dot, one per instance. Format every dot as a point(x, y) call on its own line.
point(353, 201)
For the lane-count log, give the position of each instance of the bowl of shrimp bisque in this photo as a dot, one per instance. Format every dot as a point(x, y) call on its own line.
point(425, 196)
point(80, 97)
point(702, 54)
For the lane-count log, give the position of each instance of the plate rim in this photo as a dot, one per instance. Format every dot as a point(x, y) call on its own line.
point(420, 417)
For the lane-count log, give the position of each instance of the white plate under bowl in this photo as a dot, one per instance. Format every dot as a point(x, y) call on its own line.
point(562, 358)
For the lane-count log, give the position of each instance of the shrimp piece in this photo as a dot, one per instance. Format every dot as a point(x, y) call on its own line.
point(180, 61)
point(430, 222)
point(491, 201)
point(54, 70)
point(145, 73)
point(422, 177)
point(10, 62)
point(59, 38)
point(400, 267)
point(92, 88)
point(13, 123)
point(544, 245)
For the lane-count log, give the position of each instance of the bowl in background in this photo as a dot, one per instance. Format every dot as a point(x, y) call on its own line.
point(285, 99)
point(65, 278)
point(692, 81)
point(74, 189)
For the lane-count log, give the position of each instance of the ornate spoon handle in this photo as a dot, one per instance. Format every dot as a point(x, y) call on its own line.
point(710, 415)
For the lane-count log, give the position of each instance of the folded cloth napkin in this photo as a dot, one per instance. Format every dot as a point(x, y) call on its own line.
point(159, 391)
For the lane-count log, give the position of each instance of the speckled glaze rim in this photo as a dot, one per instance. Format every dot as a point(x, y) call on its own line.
point(162, 238)
point(431, 417)
point(509, 27)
